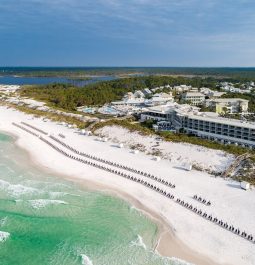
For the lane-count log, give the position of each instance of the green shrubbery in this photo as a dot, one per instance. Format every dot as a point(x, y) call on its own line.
point(68, 97)
point(52, 116)
point(175, 137)
point(133, 127)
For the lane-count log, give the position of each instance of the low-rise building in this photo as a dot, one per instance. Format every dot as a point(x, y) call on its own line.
point(216, 94)
point(194, 98)
point(211, 93)
point(182, 88)
point(228, 105)
point(138, 94)
point(147, 92)
point(129, 102)
point(159, 99)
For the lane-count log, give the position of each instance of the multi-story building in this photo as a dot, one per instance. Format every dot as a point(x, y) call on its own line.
point(194, 98)
point(205, 125)
point(229, 105)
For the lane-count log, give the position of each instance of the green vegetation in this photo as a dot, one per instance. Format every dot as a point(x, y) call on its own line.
point(148, 123)
point(179, 137)
point(128, 124)
point(52, 116)
point(144, 129)
point(203, 108)
point(68, 97)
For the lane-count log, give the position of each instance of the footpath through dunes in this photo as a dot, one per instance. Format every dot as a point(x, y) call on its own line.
point(100, 164)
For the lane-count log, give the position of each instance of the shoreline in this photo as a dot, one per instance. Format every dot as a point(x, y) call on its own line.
point(181, 233)
point(167, 244)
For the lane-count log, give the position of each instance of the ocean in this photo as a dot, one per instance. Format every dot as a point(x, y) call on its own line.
point(45, 219)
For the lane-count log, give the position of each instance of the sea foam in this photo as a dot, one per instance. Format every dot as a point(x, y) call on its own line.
point(138, 242)
point(16, 190)
point(41, 203)
point(180, 262)
point(4, 236)
point(85, 260)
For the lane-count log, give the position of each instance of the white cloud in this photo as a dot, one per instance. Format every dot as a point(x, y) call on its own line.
point(212, 22)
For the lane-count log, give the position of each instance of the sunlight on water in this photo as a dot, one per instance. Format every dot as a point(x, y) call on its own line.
point(47, 220)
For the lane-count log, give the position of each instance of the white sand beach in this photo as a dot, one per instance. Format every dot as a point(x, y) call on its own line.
point(189, 236)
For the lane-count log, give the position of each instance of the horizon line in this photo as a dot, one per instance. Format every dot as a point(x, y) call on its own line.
point(66, 66)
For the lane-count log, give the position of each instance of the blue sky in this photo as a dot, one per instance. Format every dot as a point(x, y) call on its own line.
point(127, 32)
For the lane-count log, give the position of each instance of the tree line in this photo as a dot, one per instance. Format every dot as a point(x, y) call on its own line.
point(69, 97)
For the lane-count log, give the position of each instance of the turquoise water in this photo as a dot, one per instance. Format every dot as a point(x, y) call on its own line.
point(89, 110)
point(109, 110)
point(47, 220)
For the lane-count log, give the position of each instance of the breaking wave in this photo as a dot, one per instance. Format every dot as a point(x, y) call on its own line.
point(41, 203)
point(85, 260)
point(138, 242)
point(16, 190)
point(4, 236)
point(179, 261)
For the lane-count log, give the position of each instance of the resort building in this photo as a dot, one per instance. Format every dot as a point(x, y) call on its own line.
point(129, 102)
point(228, 105)
point(182, 88)
point(147, 92)
point(136, 101)
point(159, 99)
point(188, 119)
point(194, 98)
point(211, 93)
point(138, 94)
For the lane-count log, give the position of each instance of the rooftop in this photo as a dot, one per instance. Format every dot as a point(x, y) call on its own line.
point(193, 112)
point(217, 119)
point(194, 94)
point(223, 100)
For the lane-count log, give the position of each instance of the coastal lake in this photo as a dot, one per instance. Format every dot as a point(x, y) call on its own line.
point(45, 219)
point(16, 80)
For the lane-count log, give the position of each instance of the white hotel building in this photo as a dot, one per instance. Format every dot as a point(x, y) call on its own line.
point(205, 125)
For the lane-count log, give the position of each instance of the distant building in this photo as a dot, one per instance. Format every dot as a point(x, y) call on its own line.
point(182, 88)
point(147, 92)
point(129, 102)
point(194, 89)
point(216, 94)
point(129, 95)
point(229, 105)
point(211, 93)
point(159, 99)
point(195, 98)
point(138, 94)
